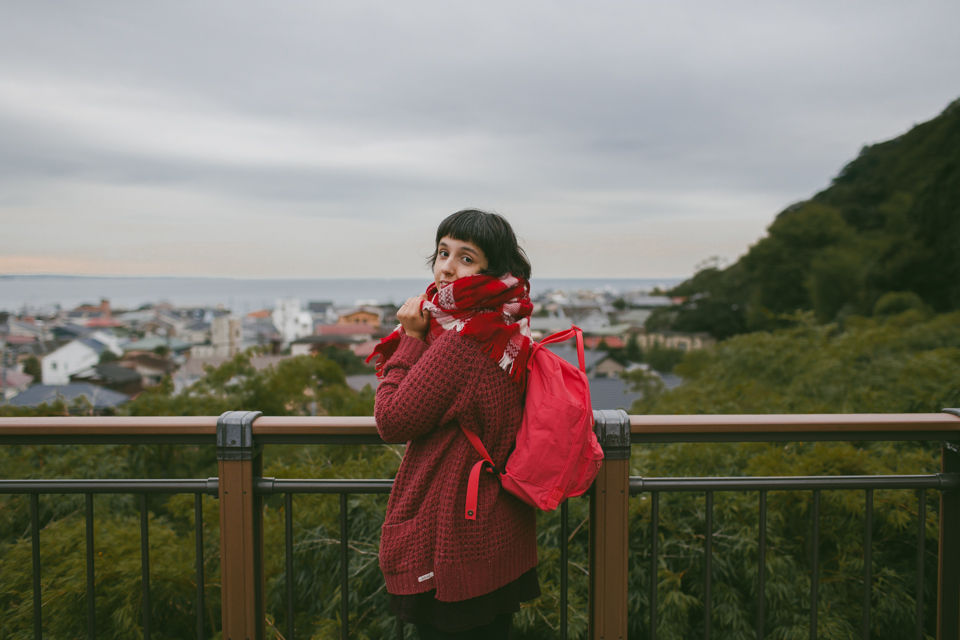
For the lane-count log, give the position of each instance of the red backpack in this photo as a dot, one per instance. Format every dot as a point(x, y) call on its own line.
point(557, 455)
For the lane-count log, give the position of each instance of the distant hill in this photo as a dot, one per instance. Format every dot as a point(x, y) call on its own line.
point(883, 236)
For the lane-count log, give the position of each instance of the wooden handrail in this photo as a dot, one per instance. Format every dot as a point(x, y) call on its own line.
point(109, 425)
point(795, 423)
point(660, 424)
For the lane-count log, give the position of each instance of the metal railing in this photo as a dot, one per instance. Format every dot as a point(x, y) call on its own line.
point(240, 487)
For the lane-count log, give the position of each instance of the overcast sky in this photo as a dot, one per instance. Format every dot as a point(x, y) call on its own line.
point(328, 139)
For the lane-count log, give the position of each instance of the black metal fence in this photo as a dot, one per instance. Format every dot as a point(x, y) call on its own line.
point(946, 483)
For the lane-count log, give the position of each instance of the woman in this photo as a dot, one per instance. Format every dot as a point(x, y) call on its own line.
point(458, 359)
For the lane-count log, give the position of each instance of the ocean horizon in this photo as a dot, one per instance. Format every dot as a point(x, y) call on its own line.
point(243, 295)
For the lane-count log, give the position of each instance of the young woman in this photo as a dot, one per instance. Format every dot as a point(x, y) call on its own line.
point(458, 358)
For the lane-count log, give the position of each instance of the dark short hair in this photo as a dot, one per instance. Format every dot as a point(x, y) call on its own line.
point(495, 237)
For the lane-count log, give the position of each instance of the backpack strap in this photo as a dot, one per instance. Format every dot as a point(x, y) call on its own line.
point(473, 483)
point(562, 336)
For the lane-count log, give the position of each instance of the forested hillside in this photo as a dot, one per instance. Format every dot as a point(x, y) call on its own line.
point(888, 223)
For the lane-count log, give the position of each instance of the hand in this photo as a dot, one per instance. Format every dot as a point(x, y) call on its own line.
point(414, 321)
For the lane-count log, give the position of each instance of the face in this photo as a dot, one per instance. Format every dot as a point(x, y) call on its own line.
point(457, 259)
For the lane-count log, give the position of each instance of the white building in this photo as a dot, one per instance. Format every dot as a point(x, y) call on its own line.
point(76, 356)
point(291, 320)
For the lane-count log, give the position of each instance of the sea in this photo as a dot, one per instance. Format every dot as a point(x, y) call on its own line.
point(44, 293)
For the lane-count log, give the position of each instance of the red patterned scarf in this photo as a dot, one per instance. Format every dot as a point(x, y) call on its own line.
point(495, 312)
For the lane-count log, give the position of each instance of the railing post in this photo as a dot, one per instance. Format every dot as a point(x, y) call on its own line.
point(609, 529)
point(948, 575)
point(241, 527)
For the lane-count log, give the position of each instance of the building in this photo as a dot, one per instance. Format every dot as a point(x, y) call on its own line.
point(291, 320)
point(99, 398)
point(76, 356)
point(226, 339)
point(365, 315)
point(13, 382)
point(675, 340)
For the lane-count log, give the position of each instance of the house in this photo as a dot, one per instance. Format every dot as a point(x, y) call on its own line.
point(291, 321)
point(675, 340)
point(634, 317)
point(364, 315)
point(152, 343)
point(323, 311)
point(13, 382)
point(196, 332)
point(226, 339)
point(112, 376)
point(608, 368)
point(99, 397)
point(76, 356)
point(149, 366)
point(364, 349)
point(18, 331)
point(312, 345)
point(196, 368)
point(613, 342)
point(358, 332)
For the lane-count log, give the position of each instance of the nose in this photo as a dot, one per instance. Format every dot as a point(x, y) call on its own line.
point(446, 265)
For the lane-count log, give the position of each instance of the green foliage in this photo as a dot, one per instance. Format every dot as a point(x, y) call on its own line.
point(303, 385)
point(680, 562)
point(108, 356)
point(896, 302)
point(31, 367)
point(907, 361)
point(350, 363)
point(632, 352)
point(903, 363)
point(889, 222)
point(661, 358)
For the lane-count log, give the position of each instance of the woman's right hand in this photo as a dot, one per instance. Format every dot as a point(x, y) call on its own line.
point(414, 320)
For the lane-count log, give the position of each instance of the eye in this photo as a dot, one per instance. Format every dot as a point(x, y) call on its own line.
point(443, 253)
point(468, 259)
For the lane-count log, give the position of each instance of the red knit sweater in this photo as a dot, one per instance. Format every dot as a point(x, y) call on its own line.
point(426, 393)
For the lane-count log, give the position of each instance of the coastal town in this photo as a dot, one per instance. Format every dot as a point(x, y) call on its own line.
point(98, 357)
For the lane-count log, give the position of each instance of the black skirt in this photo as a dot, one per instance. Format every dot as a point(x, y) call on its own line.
point(424, 608)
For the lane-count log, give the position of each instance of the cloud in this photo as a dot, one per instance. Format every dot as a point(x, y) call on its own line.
point(305, 133)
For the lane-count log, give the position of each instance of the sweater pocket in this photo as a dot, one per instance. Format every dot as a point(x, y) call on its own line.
point(404, 547)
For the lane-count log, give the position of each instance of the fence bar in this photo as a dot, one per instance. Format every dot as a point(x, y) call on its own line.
point(288, 539)
point(198, 535)
point(563, 570)
point(939, 481)
point(654, 565)
point(761, 563)
point(91, 585)
point(241, 527)
point(145, 564)
point(344, 571)
point(921, 544)
point(948, 576)
point(208, 486)
point(867, 564)
point(35, 545)
point(273, 486)
point(609, 529)
point(815, 564)
point(708, 560)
